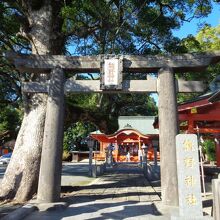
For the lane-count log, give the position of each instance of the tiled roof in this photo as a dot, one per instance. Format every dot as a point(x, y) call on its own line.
point(144, 124)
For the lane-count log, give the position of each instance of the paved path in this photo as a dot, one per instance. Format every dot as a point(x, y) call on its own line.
point(123, 193)
point(73, 174)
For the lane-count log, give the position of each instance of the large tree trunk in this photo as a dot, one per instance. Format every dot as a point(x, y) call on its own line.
point(21, 177)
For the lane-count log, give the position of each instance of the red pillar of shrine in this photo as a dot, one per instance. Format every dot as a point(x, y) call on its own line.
point(190, 126)
point(116, 150)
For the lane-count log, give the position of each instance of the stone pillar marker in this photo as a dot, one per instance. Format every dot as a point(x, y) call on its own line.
point(216, 198)
point(144, 162)
point(90, 144)
point(90, 160)
point(190, 198)
point(49, 185)
point(155, 156)
point(168, 129)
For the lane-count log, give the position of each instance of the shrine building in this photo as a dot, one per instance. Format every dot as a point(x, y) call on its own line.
point(134, 134)
point(201, 116)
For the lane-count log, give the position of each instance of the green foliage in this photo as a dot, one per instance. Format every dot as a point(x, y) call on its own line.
point(206, 40)
point(74, 136)
point(106, 108)
point(94, 27)
point(209, 149)
point(209, 38)
point(9, 40)
point(10, 119)
point(135, 27)
point(133, 104)
point(84, 101)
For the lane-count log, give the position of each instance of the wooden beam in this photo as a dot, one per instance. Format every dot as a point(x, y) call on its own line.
point(199, 117)
point(128, 86)
point(208, 130)
point(131, 63)
point(196, 104)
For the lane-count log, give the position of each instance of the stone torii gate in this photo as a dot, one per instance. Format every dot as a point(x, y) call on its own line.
point(166, 86)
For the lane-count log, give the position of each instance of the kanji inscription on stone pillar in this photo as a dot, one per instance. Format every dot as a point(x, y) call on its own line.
point(189, 186)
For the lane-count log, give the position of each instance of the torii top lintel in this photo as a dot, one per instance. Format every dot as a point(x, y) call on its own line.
point(131, 63)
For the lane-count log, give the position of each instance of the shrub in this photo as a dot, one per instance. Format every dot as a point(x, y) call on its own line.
point(209, 148)
point(66, 156)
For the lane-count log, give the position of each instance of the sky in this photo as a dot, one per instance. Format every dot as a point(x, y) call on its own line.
point(193, 27)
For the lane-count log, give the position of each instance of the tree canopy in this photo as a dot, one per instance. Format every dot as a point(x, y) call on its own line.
point(206, 40)
point(94, 27)
point(131, 26)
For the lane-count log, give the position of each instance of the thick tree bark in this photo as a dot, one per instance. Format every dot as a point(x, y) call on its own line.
point(44, 32)
point(20, 180)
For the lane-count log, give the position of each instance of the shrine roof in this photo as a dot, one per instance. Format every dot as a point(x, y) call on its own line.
point(215, 97)
point(142, 124)
point(197, 102)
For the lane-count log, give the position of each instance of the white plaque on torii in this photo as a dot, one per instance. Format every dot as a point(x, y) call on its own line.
point(111, 73)
point(111, 70)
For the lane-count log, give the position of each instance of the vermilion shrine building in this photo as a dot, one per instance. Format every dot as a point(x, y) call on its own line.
point(199, 116)
point(133, 132)
point(202, 116)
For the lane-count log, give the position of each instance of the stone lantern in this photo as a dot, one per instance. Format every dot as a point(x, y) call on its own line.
point(90, 144)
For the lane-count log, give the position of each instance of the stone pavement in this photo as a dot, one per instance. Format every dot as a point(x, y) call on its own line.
point(122, 193)
point(75, 174)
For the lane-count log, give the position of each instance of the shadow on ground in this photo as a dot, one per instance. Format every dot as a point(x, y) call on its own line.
point(121, 193)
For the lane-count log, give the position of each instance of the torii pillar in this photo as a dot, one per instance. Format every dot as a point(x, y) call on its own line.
point(168, 129)
point(49, 185)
